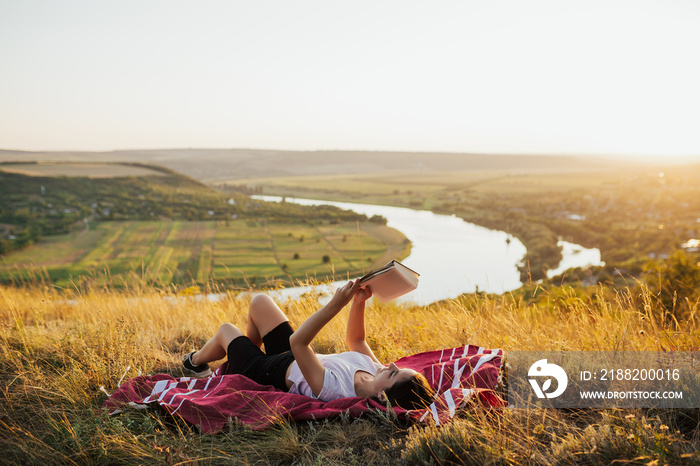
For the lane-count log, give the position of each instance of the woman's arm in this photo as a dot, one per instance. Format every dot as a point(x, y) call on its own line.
point(300, 340)
point(355, 335)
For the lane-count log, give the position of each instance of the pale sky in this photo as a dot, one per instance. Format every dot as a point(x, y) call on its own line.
point(515, 76)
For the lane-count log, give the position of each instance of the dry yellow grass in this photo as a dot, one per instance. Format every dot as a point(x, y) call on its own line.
point(57, 348)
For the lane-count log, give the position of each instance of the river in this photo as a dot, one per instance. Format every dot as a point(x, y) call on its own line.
point(451, 255)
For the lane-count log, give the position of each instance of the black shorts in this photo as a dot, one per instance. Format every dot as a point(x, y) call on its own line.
point(269, 368)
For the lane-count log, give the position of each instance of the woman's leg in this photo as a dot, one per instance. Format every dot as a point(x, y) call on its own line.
point(216, 347)
point(263, 316)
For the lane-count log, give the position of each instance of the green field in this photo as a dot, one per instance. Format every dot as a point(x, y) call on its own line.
point(244, 252)
point(426, 189)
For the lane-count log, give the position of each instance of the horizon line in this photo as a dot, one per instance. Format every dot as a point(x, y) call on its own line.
point(480, 153)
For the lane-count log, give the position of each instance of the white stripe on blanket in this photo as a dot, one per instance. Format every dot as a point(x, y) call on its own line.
point(181, 401)
point(221, 379)
point(436, 418)
point(450, 403)
point(181, 394)
point(484, 359)
point(457, 376)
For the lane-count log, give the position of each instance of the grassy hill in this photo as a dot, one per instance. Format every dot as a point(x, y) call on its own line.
point(58, 349)
point(164, 227)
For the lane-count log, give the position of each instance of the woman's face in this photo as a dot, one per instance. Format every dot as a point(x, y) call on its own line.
point(387, 376)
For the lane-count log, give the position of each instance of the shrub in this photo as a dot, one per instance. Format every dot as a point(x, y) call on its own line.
point(675, 282)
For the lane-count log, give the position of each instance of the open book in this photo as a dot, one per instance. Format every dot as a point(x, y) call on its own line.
point(391, 281)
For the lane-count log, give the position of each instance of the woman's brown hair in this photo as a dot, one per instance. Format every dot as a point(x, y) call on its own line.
point(412, 393)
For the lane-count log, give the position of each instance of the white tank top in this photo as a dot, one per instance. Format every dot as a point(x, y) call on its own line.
point(339, 377)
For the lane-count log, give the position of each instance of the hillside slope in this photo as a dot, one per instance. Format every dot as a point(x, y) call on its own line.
point(210, 165)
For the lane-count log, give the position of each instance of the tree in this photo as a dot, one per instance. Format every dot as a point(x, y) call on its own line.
point(378, 219)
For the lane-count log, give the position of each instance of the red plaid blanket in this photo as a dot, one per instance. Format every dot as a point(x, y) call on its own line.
point(457, 375)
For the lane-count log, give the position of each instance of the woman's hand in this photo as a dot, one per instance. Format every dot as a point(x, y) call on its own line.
point(362, 295)
point(344, 294)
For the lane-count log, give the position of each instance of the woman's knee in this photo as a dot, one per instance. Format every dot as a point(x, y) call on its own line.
point(262, 307)
point(261, 301)
point(227, 327)
point(228, 332)
point(264, 314)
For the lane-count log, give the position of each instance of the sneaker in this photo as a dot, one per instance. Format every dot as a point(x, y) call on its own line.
point(197, 371)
